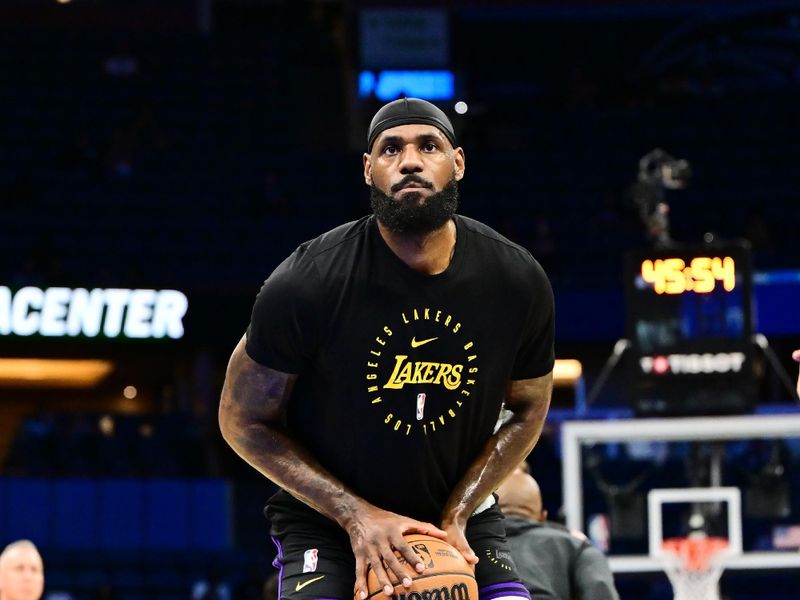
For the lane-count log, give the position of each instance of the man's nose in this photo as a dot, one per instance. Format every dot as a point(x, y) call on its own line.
point(411, 161)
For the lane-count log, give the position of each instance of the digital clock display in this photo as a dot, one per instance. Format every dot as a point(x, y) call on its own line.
point(701, 275)
point(689, 322)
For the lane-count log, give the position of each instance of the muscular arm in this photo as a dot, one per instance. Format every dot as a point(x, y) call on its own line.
point(528, 400)
point(252, 418)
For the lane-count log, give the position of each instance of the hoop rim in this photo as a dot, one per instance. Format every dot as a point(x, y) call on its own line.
point(695, 553)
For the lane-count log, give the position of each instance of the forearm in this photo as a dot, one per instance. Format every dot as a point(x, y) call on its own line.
point(252, 417)
point(280, 458)
point(506, 449)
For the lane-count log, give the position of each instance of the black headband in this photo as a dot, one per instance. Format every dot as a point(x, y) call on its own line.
point(409, 111)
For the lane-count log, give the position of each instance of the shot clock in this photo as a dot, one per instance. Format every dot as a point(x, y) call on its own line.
point(702, 274)
point(689, 320)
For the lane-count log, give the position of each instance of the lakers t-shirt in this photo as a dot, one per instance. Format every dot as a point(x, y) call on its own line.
point(401, 374)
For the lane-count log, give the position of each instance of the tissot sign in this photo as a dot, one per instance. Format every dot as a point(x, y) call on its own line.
point(112, 312)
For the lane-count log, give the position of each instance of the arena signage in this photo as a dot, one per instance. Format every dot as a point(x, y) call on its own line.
point(113, 312)
point(682, 364)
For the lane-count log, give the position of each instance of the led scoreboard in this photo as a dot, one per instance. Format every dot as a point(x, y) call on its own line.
point(689, 320)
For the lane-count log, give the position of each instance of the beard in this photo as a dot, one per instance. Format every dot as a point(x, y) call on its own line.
point(408, 215)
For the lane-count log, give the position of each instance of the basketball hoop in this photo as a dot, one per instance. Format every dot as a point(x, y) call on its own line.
point(694, 566)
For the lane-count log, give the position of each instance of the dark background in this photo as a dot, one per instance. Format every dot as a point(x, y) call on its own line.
point(193, 145)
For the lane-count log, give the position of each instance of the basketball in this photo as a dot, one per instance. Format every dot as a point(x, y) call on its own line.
point(447, 574)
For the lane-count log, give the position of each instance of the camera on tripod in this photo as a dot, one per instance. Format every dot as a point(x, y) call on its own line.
point(658, 171)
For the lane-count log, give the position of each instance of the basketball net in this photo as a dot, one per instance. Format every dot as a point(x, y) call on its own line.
point(691, 566)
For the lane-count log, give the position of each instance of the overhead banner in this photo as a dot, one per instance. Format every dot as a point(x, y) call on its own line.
point(110, 313)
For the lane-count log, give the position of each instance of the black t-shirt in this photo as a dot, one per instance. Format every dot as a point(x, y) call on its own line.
point(401, 374)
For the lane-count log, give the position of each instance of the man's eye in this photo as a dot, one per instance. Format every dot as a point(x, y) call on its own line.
point(430, 147)
point(390, 150)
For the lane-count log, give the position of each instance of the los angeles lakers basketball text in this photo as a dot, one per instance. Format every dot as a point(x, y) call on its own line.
point(443, 383)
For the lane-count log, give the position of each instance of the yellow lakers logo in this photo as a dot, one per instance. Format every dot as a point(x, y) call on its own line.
point(423, 395)
point(434, 373)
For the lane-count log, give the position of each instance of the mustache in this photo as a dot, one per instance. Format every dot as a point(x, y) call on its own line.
point(411, 178)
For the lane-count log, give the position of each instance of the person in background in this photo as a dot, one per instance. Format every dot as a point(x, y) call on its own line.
point(21, 572)
point(553, 562)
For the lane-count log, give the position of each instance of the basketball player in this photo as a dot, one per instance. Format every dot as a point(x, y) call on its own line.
point(21, 572)
point(555, 563)
point(370, 380)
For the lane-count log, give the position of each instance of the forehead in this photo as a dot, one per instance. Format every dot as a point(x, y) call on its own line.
point(412, 132)
point(20, 556)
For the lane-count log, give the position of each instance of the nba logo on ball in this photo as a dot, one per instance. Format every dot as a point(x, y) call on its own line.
point(420, 406)
point(425, 554)
point(310, 560)
point(447, 574)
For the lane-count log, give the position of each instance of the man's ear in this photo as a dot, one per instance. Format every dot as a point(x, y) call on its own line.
point(460, 162)
point(367, 169)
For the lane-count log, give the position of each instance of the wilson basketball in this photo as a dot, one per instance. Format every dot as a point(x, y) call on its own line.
point(447, 574)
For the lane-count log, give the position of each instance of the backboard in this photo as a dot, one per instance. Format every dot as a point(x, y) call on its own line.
point(727, 439)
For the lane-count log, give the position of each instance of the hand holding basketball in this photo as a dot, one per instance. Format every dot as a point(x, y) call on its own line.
point(377, 538)
point(446, 573)
point(457, 539)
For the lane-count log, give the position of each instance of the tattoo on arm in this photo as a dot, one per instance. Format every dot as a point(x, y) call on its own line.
point(252, 417)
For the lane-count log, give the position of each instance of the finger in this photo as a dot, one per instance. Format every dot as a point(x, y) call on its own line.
point(361, 578)
point(796, 355)
point(408, 553)
point(426, 529)
point(376, 564)
point(467, 553)
point(469, 556)
point(461, 544)
point(396, 567)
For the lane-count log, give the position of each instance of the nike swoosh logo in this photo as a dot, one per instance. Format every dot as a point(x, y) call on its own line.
point(417, 344)
point(300, 586)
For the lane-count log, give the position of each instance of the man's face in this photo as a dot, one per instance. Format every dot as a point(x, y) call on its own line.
point(413, 170)
point(21, 575)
